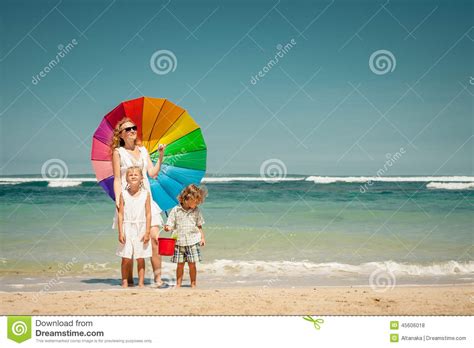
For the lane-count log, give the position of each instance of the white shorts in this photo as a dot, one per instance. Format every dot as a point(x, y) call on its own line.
point(134, 247)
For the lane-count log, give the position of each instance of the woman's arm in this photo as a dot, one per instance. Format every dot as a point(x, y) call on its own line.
point(146, 237)
point(154, 170)
point(120, 221)
point(117, 177)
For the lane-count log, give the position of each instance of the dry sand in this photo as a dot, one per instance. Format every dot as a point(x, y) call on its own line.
point(401, 300)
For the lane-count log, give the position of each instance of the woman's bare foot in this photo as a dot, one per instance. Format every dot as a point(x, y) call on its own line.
point(141, 285)
point(193, 285)
point(124, 283)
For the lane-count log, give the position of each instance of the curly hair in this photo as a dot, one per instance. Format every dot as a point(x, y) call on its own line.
point(198, 193)
point(116, 140)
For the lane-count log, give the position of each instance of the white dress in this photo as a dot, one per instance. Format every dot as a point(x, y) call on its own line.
point(134, 226)
point(127, 160)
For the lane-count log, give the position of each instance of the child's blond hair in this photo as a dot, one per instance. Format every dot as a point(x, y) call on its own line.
point(198, 193)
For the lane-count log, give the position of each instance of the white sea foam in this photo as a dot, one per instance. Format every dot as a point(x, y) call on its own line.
point(96, 267)
point(298, 268)
point(52, 182)
point(248, 178)
point(451, 185)
point(64, 183)
point(363, 179)
point(17, 286)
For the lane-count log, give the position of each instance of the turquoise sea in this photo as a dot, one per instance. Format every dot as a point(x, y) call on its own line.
point(294, 231)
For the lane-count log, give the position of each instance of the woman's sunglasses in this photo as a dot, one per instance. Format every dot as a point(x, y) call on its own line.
point(129, 129)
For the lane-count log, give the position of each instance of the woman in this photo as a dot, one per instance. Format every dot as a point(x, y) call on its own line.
point(127, 152)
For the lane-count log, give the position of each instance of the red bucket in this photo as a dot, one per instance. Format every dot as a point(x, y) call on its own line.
point(166, 246)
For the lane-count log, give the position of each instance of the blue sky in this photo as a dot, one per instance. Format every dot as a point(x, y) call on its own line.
point(321, 109)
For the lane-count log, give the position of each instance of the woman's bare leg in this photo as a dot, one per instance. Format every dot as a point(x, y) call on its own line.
point(155, 257)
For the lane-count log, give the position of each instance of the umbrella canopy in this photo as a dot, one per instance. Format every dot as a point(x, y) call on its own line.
point(158, 121)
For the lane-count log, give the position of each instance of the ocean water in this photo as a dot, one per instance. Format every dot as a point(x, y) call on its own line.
point(296, 231)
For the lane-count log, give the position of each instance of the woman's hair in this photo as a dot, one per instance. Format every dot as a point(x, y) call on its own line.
point(132, 168)
point(198, 193)
point(116, 140)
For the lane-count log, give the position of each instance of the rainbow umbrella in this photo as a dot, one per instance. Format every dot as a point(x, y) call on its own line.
point(159, 121)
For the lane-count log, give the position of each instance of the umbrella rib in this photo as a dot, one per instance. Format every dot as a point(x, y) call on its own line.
point(112, 128)
point(106, 120)
point(101, 141)
point(159, 112)
point(163, 187)
point(197, 129)
point(185, 135)
point(181, 154)
point(182, 183)
point(140, 117)
point(99, 181)
point(198, 170)
point(171, 125)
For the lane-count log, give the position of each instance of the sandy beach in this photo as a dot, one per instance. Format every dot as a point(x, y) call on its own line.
point(401, 300)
